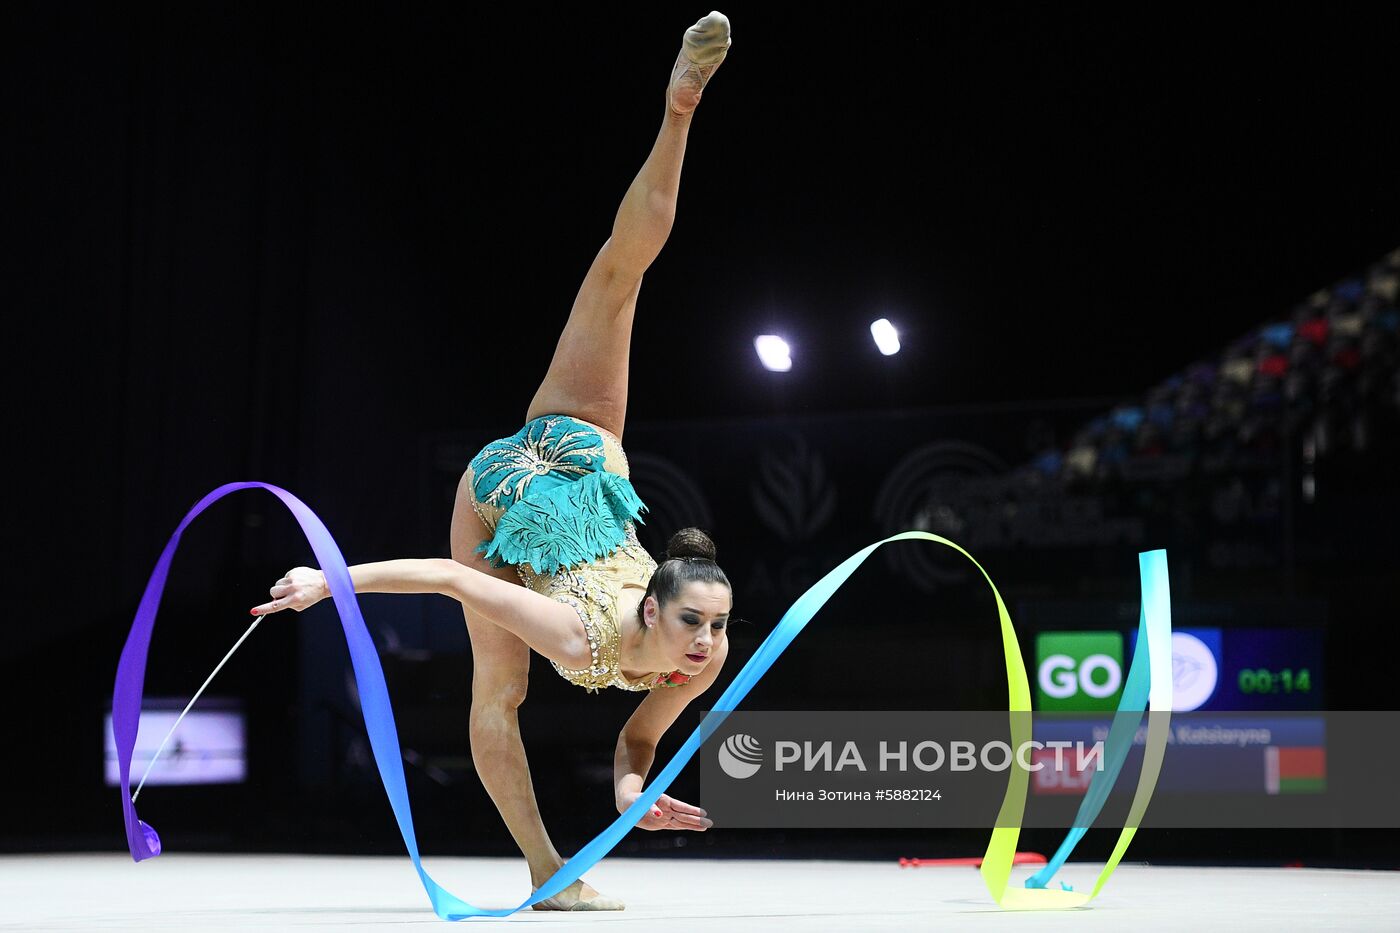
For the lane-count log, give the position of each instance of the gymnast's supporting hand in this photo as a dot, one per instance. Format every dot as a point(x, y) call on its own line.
point(667, 813)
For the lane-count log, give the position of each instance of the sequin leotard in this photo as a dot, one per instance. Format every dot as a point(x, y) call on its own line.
point(558, 502)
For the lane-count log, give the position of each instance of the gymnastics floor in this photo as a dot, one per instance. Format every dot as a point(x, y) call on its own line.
point(223, 892)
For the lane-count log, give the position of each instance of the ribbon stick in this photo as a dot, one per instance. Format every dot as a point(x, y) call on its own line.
point(143, 842)
point(188, 706)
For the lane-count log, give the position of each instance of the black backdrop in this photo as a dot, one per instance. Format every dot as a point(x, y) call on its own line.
point(306, 243)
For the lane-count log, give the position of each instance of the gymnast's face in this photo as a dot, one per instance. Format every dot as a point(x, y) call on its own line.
point(690, 626)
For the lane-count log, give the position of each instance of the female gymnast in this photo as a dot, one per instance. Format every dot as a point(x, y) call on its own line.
point(545, 554)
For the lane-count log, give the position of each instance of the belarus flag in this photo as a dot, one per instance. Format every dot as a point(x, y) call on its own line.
point(1298, 769)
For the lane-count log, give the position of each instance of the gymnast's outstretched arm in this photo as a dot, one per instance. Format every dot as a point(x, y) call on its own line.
point(550, 628)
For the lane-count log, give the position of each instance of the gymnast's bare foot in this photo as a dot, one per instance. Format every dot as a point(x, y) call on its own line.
point(703, 50)
point(579, 896)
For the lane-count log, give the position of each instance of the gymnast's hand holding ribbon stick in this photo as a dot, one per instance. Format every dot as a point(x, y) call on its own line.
point(300, 589)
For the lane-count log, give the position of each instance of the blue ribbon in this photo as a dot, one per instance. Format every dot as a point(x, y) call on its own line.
point(1120, 742)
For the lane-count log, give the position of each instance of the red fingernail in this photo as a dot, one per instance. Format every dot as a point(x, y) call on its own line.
point(254, 611)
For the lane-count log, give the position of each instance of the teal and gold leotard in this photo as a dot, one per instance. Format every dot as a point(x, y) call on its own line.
point(558, 503)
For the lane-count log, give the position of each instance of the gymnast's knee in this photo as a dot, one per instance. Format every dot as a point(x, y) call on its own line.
point(496, 697)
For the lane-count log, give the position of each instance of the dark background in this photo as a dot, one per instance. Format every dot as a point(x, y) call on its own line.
point(331, 248)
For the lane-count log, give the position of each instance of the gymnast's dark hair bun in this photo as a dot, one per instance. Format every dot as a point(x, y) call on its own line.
point(690, 558)
point(690, 542)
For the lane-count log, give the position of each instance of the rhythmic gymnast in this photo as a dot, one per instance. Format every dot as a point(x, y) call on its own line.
point(545, 553)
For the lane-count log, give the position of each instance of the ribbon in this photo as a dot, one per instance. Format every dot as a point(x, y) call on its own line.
point(1120, 738)
point(1149, 684)
point(143, 842)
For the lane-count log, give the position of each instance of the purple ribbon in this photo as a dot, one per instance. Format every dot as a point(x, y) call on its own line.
point(142, 840)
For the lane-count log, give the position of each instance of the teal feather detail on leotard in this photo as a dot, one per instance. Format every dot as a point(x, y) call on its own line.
point(546, 453)
point(556, 528)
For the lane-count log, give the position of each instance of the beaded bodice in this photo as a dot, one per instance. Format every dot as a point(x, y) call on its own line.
point(604, 593)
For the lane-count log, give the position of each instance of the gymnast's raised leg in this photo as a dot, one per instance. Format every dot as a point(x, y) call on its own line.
point(587, 379)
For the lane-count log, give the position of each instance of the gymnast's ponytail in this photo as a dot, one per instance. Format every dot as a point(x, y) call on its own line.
point(689, 558)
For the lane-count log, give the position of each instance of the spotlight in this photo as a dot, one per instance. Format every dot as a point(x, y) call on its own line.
point(885, 337)
point(773, 353)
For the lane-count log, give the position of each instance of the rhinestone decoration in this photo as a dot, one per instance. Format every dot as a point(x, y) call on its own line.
point(512, 462)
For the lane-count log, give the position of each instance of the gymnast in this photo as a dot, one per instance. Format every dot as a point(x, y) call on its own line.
point(544, 549)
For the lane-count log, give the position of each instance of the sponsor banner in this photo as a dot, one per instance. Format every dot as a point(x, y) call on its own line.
point(1079, 670)
point(1212, 669)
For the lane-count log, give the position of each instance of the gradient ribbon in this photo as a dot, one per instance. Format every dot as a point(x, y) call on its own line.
point(143, 842)
point(1149, 684)
point(1135, 698)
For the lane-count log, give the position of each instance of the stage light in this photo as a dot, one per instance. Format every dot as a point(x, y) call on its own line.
point(885, 337)
point(773, 352)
